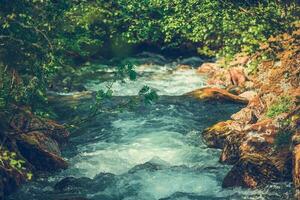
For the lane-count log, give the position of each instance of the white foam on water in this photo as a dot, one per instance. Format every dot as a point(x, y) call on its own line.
point(165, 81)
point(163, 183)
point(118, 158)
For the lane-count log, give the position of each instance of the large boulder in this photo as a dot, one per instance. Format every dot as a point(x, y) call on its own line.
point(256, 159)
point(36, 142)
point(231, 151)
point(252, 170)
point(215, 136)
point(41, 151)
point(26, 122)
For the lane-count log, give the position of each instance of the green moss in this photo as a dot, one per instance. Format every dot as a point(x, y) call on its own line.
point(283, 105)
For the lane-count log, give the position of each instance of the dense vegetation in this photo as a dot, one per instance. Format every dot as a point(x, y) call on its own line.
point(41, 38)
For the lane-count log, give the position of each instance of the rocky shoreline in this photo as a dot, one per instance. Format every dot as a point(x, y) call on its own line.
point(30, 145)
point(262, 140)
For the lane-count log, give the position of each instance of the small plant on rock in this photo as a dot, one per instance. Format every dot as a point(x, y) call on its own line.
point(283, 105)
point(9, 161)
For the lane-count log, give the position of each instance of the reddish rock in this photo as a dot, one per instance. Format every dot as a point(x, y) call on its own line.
point(231, 151)
point(252, 170)
point(217, 75)
point(256, 161)
point(25, 122)
point(266, 129)
point(238, 76)
point(250, 95)
point(217, 94)
point(257, 106)
point(245, 116)
point(250, 140)
point(215, 136)
point(208, 69)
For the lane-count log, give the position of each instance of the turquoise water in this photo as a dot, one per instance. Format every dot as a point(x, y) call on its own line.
point(148, 152)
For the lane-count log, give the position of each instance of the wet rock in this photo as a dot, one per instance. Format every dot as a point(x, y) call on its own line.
point(252, 143)
point(257, 106)
point(215, 136)
point(25, 122)
point(216, 74)
point(70, 184)
point(216, 94)
point(231, 151)
point(252, 170)
point(149, 166)
point(103, 181)
point(259, 162)
point(41, 151)
point(34, 140)
point(10, 180)
point(236, 90)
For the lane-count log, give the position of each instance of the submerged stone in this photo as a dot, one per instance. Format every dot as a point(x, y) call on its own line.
point(72, 183)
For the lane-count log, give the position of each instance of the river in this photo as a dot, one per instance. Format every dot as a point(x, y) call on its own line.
point(147, 152)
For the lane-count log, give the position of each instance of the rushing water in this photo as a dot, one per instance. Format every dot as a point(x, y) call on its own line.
point(148, 152)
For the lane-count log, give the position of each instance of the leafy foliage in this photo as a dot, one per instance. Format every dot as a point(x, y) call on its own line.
point(9, 161)
point(43, 39)
point(148, 95)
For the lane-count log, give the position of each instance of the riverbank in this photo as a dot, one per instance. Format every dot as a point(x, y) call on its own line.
point(262, 140)
point(30, 145)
